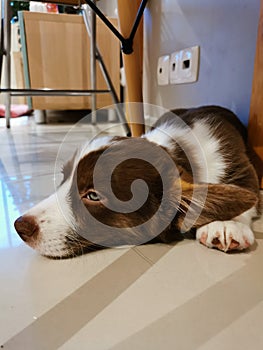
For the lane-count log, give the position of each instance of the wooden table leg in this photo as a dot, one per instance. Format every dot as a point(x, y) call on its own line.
point(127, 10)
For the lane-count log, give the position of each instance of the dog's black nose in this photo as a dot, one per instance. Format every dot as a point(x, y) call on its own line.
point(27, 227)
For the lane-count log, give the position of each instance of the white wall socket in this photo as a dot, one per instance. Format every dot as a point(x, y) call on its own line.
point(163, 70)
point(184, 66)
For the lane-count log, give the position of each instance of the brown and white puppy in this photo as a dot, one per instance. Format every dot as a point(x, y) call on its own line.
point(190, 173)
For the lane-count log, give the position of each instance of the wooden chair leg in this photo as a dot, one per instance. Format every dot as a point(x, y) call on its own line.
point(127, 11)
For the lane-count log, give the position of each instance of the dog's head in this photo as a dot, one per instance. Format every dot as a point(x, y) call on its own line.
point(125, 191)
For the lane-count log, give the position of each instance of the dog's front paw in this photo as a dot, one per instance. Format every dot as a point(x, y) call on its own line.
point(225, 235)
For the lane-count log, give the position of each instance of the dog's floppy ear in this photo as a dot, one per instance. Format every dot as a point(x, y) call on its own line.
point(204, 203)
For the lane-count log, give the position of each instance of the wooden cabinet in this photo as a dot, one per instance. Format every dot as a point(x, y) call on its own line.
point(56, 55)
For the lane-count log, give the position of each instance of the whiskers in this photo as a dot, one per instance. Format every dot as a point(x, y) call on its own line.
point(77, 245)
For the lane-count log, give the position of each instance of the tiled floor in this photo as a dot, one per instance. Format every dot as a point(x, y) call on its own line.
point(183, 296)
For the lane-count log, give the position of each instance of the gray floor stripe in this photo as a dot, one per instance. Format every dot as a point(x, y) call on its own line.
point(59, 324)
point(192, 324)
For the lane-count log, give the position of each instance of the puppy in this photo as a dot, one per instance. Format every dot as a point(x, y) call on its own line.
point(191, 174)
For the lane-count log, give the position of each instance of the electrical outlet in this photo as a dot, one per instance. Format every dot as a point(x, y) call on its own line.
point(163, 70)
point(184, 66)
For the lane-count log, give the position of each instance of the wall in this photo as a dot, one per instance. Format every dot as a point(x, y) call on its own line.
point(108, 7)
point(226, 32)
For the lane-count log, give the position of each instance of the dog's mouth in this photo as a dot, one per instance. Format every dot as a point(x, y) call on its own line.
point(69, 254)
point(77, 246)
point(70, 251)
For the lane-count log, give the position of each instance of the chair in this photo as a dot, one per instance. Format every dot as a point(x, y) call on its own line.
point(90, 23)
point(132, 59)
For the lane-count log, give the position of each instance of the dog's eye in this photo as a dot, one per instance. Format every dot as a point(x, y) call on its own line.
point(93, 196)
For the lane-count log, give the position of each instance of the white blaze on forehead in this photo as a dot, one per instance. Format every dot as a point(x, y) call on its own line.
point(54, 218)
point(93, 145)
point(54, 214)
